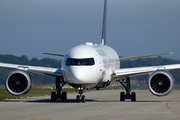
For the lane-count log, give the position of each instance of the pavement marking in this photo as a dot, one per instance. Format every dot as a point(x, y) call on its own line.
point(105, 106)
point(36, 109)
point(116, 119)
point(173, 106)
point(89, 109)
point(160, 106)
point(42, 119)
point(151, 109)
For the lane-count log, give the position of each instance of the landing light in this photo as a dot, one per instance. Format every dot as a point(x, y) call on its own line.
point(80, 88)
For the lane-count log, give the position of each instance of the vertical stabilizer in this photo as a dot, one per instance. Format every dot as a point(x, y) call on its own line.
point(103, 41)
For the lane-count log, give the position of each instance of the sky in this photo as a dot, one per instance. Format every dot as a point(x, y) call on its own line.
point(134, 27)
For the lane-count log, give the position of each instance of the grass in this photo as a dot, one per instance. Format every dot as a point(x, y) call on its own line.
point(4, 94)
point(43, 92)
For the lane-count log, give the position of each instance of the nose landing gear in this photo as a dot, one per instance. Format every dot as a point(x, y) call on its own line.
point(80, 97)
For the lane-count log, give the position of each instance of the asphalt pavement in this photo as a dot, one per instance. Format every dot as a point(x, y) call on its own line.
point(99, 105)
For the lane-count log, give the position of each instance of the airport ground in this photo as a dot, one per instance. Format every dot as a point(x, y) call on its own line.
point(100, 105)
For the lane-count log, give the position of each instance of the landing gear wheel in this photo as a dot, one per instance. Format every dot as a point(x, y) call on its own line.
point(64, 96)
point(77, 98)
point(97, 88)
point(127, 85)
point(133, 96)
point(59, 82)
point(83, 99)
point(53, 96)
point(122, 96)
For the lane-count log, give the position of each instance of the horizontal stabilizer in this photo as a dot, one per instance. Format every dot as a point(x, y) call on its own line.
point(131, 58)
point(53, 54)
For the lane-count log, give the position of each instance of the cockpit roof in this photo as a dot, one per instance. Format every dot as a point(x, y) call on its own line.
point(82, 51)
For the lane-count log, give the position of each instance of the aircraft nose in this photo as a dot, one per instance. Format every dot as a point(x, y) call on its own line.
point(79, 74)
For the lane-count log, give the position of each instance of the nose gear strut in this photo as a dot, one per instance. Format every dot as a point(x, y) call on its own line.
point(80, 97)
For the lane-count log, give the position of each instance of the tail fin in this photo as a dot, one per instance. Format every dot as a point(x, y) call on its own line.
point(103, 41)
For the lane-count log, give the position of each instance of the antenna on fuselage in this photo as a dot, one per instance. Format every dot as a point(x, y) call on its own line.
point(103, 41)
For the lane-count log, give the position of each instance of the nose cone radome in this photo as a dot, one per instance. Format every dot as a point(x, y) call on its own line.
point(79, 74)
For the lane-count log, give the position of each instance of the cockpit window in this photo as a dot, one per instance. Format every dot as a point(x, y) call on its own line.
point(80, 62)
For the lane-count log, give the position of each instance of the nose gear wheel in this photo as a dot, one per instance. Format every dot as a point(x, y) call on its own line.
point(80, 97)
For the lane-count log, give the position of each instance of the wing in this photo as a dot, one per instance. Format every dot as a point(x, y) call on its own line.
point(56, 72)
point(132, 72)
point(137, 57)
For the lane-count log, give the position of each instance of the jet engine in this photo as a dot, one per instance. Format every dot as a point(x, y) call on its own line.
point(160, 82)
point(18, 82)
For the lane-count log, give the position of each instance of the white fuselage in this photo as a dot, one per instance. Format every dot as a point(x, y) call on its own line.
point(87, 65)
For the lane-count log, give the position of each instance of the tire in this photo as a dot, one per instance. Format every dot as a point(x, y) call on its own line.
point(77, 98)
point(97, 88)
point(133, 96)
point(53, 96)
point(83, 99)
point(122, 96)
point(64, 96)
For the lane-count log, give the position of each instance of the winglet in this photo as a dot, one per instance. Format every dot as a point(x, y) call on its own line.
point(103, 40)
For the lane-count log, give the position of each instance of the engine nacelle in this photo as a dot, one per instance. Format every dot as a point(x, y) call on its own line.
point(18, 82)
point(160, 82)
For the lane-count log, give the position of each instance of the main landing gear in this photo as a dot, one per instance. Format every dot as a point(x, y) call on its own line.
point(128, 95)
point(80, 97)
point(63, 96)
point(58, 94)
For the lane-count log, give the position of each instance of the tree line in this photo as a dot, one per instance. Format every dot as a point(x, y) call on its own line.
point(23, 60)
point(48, 62)
point(155, 61)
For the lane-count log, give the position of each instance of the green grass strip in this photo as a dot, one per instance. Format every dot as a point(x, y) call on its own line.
point(4, 94)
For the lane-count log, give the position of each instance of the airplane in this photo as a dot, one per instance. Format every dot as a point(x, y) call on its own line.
point(91, 66)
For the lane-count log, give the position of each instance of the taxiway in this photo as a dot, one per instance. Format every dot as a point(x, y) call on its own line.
point(100, 105)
